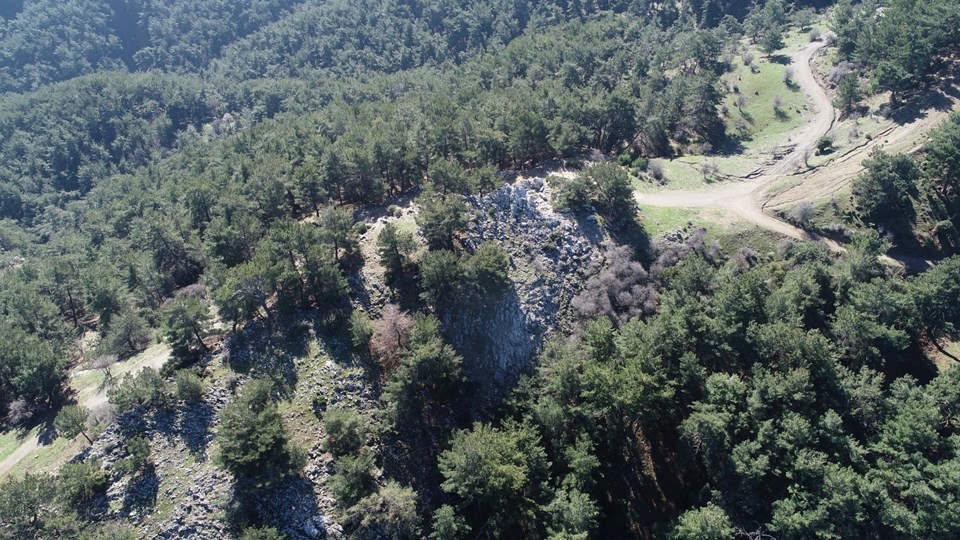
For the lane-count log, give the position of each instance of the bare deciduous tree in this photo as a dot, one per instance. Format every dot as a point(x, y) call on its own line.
point(621, 290)
point(390, 333)
point(801, 214)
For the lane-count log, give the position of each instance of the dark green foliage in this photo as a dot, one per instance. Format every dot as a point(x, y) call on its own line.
point(395, 246)
point(884, 191)
point(429, 378)
point(189, 386)
point(145, 388)
point(127, 335)
point(361, 330)
point(32, 369)
point(497, 475)
point(707, 523)
point(345, 431)
point(710, 398)
point(485, 270)
point(440, 219)
point(72, 421)
point(848, 93)
point(903, 47)
point(253, 442)
point(80, 483)
point(186, 322)
point(447, 280)
point(448, 525)
point(390, 513)
point(26, 505)
point(440, 274)
point(607, 186)
point(446, 176)
point(261, 533)
point(352, 479)
point(138, 450)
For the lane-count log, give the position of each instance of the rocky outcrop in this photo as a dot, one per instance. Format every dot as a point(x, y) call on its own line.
point(551, 256)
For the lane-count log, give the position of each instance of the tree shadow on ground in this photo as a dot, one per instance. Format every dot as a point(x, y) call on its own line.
point(921, 106)
point(729, 144)
point(141, 491)
point(193, 427)
point(781, 59)
point(632, 233)
point(269, 348)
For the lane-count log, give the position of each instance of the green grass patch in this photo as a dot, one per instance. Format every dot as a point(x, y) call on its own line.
point(657, 221)
point(942, 361)
point(750, 102)
point(680, 173)
point(11, 439)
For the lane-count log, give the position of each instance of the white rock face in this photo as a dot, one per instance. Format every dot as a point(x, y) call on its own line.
point(551, 255)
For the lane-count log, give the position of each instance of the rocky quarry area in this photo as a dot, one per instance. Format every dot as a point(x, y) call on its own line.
point(552, 254)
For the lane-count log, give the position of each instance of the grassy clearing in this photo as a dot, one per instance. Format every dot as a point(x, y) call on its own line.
point(657, 221)
point(680, 173)
point(942, 361)
point(850, 134)
point(741, 234)
point(47, 459)
point(753, 92)
point(12, 439)
point(297, 411)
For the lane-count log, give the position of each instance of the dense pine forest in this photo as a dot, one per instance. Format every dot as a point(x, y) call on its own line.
point(463, 269)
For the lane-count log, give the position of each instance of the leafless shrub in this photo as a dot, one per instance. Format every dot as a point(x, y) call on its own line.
point(840, 70)
point(104, 363)
point(743, 127)
point(854, 134)
point(837, 229)
point(390, 334)
point(19, 411)
point(748, 59)
point(778, 106)
point(745, 259)
point(196, 290)
point(801, 214)
point(101, 416)
point(710, 170)
point(232, 382)
point(621, 290)
point(788, 76)
point(815, 34)
point(656, 169)
point(672, 249)
point(727, 58)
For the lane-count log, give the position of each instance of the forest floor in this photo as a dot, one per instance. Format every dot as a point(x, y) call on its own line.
point(38, 443)
point(790, 176)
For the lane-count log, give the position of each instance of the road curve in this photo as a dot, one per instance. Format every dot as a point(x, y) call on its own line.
point(741, 197)
point(744, 198)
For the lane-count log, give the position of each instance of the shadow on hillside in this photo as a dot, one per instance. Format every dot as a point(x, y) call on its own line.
point(194, 428)
point(142, 490)
point(919, 108)
point(781, 59)
point(268, 348)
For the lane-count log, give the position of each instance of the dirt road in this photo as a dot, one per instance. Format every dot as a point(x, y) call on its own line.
point(749, 199)
point(153, 357)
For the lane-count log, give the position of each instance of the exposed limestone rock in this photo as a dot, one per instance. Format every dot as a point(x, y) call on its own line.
point(551, 253)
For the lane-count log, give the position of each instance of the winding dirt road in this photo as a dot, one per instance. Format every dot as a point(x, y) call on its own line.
point(153, 357)
point(748, 197)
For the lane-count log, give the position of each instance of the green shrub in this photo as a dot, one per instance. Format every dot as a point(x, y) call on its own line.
point(189, 386)
point(345, 431)
point(353, 479)
point(80, 483)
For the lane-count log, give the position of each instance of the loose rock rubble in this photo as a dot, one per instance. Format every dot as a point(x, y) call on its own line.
point(551, 255)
